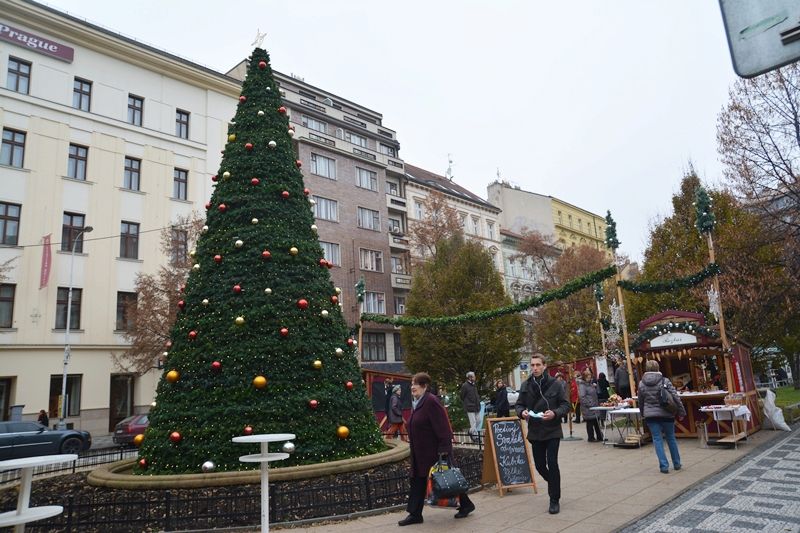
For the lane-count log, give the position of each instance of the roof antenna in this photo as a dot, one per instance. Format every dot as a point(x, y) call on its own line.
point(498, 174)
point(449, 173)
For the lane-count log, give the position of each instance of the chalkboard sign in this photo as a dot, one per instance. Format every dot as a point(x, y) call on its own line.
point(507, 459)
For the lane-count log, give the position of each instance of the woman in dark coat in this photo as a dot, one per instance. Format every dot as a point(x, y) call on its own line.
point(431, 438)
point(602, 387)
point(501, 399)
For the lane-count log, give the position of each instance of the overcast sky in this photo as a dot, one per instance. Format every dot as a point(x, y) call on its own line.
point(599, 103)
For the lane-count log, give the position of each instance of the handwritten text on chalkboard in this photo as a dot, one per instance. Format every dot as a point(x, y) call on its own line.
point(512, 459)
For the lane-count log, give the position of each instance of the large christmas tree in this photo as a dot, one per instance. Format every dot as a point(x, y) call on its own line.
point(259, 344)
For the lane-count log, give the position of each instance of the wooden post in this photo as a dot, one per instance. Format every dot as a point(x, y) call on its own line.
point(631, 380)
point(726, 347)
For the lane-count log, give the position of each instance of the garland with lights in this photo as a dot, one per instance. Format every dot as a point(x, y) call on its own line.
point(654, 287)
point(560, 293)
point(672, 327)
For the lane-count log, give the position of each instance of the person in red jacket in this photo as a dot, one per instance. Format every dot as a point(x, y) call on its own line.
point(431, 438)
point(574, 398)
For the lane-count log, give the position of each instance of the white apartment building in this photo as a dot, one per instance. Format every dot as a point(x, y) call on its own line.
point(97, 130)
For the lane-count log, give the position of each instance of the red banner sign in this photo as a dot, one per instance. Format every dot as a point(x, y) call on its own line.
point(47, 259)
point(36, 43)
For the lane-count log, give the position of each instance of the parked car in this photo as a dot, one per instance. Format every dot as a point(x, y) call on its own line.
point(29, 439)
point(127, 429)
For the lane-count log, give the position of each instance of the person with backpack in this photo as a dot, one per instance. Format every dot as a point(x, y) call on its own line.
point(659, 404)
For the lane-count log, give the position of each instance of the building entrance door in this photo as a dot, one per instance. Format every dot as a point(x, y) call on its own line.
point(5, 397)
point(120, 405)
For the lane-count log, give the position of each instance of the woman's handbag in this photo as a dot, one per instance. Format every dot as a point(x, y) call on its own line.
point(447, 481)
point(665, 399)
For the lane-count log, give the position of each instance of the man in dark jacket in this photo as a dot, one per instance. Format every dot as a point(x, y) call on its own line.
point(471, 402)
point(542, 402)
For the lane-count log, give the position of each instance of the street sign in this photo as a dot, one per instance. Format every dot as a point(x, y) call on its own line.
point(762, 35)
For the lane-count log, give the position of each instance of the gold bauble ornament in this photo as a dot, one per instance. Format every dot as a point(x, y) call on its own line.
point(193, 253)
point(267, 291)
point(173, 376)
point(226, 175)
point(293, 250)
point(239, 320)
point(342, 432)
point(324, 313)
point(137, 440)
point(317, 364)
point(205, 301)
point(232, 137)
point(259, 382)
point(338, 290)
point(254, 221)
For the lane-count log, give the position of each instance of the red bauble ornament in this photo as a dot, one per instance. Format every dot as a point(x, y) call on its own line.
point(334, 299)
point(237, 289)
point(175, 436)
point(218, 258)
point(306, 191)
point(266, 255)
point(254, 182)
point(350, 342)
point(181, 304)
point(298, 163)
point(323, 262)
point(348, 385)
point(214, 177)
point(328, 264)
point(216, 366)
point(302, 303)
point(284, 332)
point(313, 404)
point(208, 205)
point(142, 463)
point(262, 65)
point(248, 430)
point(248, 146)
point(282, 110)
point(242, 99)
point(192, 335)
point(285, 195)
point(222, 208)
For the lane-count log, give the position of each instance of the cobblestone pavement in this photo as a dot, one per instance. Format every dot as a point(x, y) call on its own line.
point(759, 493)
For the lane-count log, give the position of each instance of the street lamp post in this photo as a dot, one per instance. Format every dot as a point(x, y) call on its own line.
point(61, 423)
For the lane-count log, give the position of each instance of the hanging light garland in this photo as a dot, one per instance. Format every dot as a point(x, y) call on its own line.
point(653, 287)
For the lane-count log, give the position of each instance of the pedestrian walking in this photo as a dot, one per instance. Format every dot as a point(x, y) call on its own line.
point(587, 392)
point(542, 402)
point(471, 403)
point(602, 387)
point(574, 398)
point(396, 422)
point(43, 418)
point(660, 421)
point(431, 439)
point(621, 381)
point(501, 399)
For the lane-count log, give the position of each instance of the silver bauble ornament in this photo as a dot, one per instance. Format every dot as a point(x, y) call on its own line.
point(267, 291)
point(273, 144)
point(314, 227)
point(208, 466)
point(239, 243)
point(254, 221)
point(339, 351)
point(324, 313)
point(291, 133)
point(338, 290)
point(196, 267)
point(261, 113)
point(205, 229)
point(205, 301)
point(288, 447)
point(312, 202)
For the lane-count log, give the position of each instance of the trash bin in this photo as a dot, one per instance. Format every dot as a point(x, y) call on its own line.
point(16, 413)
point(702, 435)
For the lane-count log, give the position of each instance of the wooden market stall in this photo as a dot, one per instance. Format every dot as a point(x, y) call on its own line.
point(692, 356)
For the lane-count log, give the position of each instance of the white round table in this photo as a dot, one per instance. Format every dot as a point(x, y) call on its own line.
point(264, 458)
point(25, 514)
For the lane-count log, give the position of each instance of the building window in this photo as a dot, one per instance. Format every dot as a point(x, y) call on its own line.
point(132, 174)
point(76, 164)
point(569, 218)
point(323, 166)
point(73, 400)
point(395, 225)
point(388, 150)
point(19, 75)
point(366, 179)
point(7, 292)
point(62, 298)
point(399, 353)
point(129, 240)
point(374, 347)
point(371, 260)
point(580, 225)
point(314, 124)
point(476, 226)
point(398, 265)
point(179, 250)
point(490, 230)
point(392, 188)
point(182, 123)
point(135, 109)
point(355, 139)
point(81, 94)
point(9, 223)
point(126, 304)
point(326, 209)
point(419, 210)
point(375, 302)
point(70, 228)
point(369, 219)
point(330, 252)
point(399, 305)
point(180, 182)
point(12, 153)
point(560, 218)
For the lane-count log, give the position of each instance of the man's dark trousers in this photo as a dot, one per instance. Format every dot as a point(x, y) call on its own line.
point(545, 457)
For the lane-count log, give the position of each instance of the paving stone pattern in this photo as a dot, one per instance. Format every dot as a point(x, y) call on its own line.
point(759, 493)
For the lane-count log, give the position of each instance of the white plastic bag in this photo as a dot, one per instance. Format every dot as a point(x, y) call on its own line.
point(773, 413)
